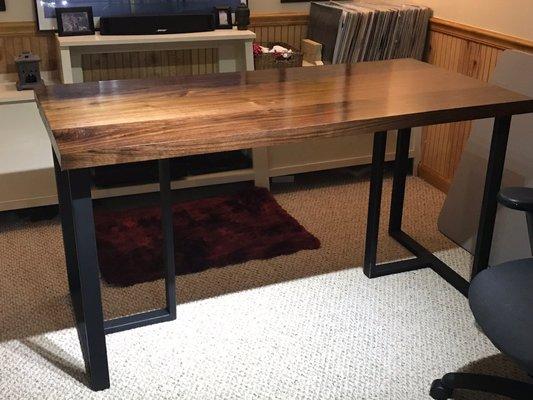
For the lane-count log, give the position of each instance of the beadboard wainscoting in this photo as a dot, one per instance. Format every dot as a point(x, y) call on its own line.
point(147, 64)
point(16, 37)
point(470, 51)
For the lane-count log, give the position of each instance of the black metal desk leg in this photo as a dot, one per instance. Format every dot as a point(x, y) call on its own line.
point(168, 234)
point(169, 312)
point(401, 167)
point(493, 180)
point(67, 227)
point(82, 265)
point(374, 203)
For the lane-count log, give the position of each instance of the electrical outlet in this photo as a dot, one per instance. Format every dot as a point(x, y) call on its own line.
point(2, 5)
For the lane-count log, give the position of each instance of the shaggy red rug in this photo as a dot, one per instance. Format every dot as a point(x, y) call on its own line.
point(212, 232)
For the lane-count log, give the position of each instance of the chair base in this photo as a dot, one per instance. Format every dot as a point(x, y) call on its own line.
point(442, 389)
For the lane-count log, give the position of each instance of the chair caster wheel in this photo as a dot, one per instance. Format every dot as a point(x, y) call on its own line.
point(439, 392)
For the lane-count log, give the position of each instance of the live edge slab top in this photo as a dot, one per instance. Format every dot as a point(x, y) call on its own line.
point(114, 122)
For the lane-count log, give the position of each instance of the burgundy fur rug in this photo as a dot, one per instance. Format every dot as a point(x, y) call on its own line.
point(212, 232)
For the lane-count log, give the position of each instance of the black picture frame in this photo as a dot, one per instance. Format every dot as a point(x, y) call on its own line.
point(223, 18)
point(64, 29)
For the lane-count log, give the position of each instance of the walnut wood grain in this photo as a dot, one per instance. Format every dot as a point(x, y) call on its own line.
point(102, 123)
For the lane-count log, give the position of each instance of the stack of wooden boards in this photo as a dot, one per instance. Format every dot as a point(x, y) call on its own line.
point(352, 31)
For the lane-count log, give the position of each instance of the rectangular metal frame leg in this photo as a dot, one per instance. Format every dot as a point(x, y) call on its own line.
point(169, 312)
point(489, 206)
point(74, 195)
point(77, 223)
point(168, 236)
point(401, 167)
point(67, 227)
point(424, 258)
point(374, 203)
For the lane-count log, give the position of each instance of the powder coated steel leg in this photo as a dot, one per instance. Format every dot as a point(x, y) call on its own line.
point(489, 206)
point(77, 223)
point(168, 234)
point(67, 227)
point(423, 257)
point(401, 167)
point(374, 203)
point(74, 195)
point(169, 312)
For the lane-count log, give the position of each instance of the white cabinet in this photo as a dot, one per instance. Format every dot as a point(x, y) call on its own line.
point(26, 166)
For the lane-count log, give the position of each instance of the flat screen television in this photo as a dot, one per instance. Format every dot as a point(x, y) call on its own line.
point(107, 8)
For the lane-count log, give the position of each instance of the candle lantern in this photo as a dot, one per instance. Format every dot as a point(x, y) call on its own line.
point(28, 71)
point(242, 17)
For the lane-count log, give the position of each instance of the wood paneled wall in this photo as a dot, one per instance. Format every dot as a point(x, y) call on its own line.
point(148, 64)
point(16, 37)
point(469, 51)
point(290, 29)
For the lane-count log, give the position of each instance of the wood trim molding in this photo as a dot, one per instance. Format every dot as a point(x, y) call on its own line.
point(433, 178)
point(18, 28)
point(480, 35)
point(276, 19)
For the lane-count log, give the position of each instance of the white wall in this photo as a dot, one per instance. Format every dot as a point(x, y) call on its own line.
point(273, 6)
point(18, 10)
point(513, 17)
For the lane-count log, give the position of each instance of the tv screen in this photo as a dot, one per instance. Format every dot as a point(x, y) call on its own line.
point(108, 8)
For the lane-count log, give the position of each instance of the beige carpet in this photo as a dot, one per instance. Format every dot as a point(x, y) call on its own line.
point(306, 326)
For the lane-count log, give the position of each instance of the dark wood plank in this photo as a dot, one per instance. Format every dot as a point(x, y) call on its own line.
point(102, 123)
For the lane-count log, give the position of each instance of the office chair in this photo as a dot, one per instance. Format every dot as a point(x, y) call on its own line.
point(501, 299)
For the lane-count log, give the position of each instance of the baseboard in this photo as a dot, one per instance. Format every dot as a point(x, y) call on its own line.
point(433, 178)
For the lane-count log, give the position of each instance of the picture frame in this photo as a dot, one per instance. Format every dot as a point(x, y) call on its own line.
point(75, 21)
point(223, 18)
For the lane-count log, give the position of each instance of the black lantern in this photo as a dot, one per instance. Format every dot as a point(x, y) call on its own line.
point(242, 16)
point(28, 71)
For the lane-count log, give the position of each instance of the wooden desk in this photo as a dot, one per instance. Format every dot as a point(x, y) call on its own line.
point(114, 122)
point(234, 49)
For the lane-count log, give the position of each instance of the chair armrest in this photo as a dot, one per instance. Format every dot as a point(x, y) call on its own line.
point(517, 198)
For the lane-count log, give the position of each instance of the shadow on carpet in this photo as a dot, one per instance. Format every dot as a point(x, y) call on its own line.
point(208, 233)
